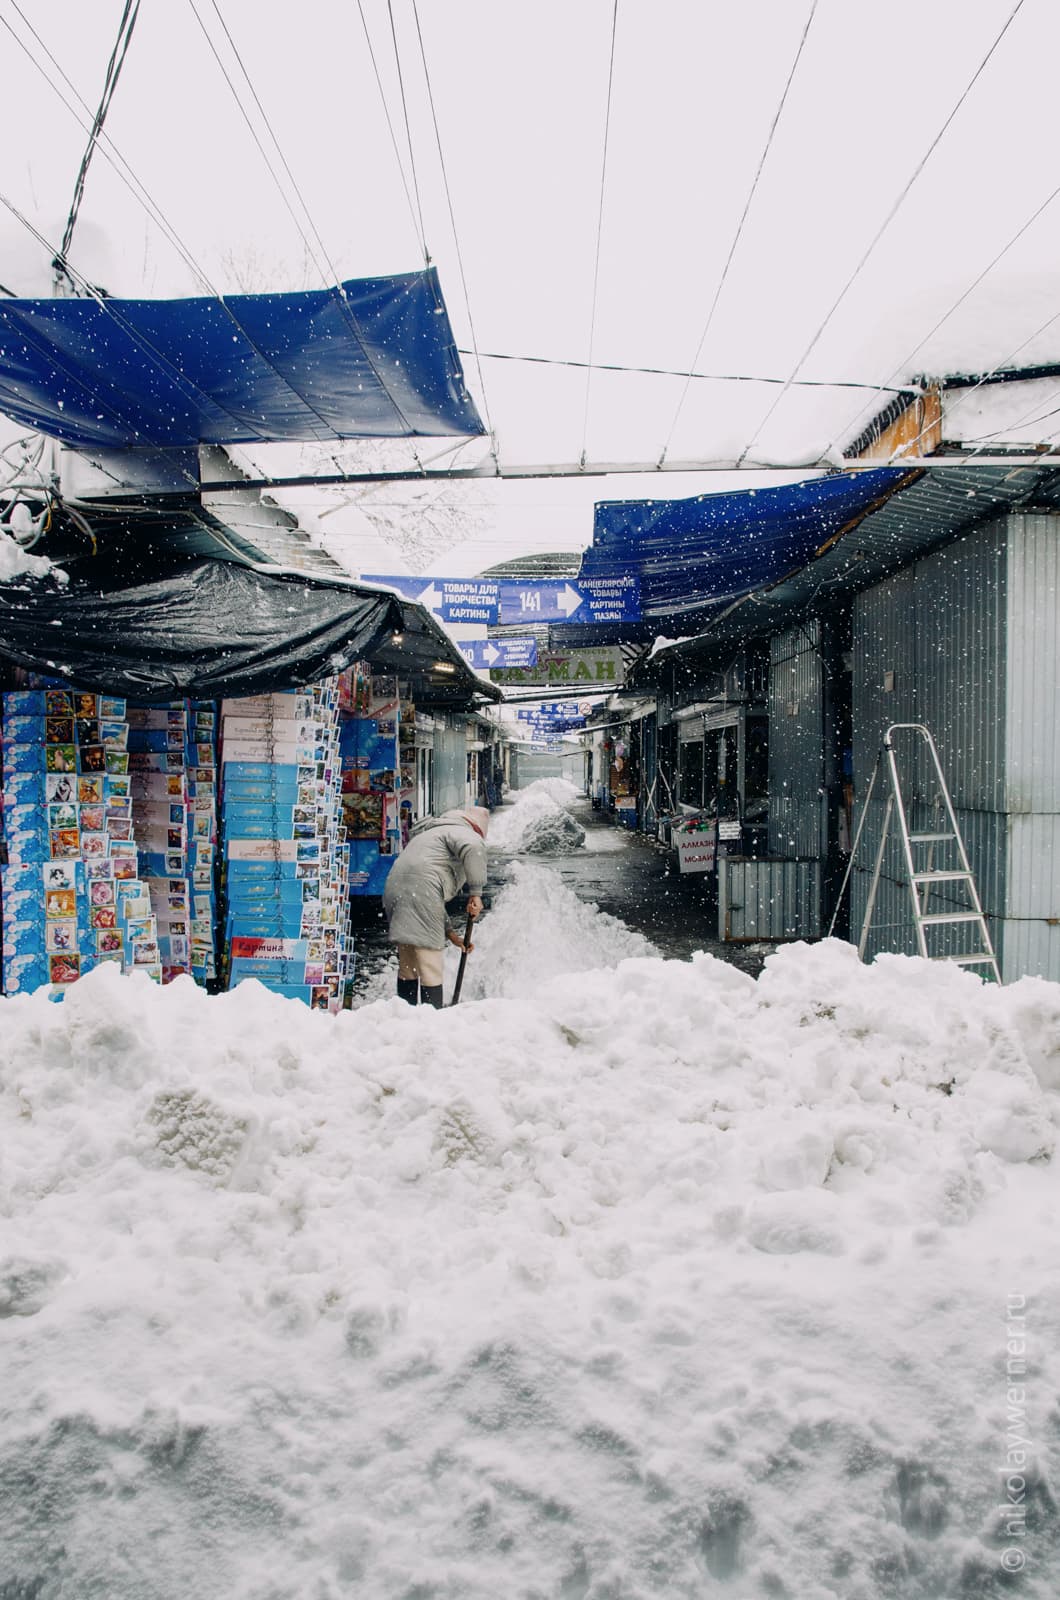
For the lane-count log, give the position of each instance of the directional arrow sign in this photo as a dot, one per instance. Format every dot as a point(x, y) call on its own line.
point(585, 600)
point(497, 653)
point(451, 599)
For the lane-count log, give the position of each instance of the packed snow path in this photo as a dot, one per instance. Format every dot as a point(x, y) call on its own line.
point(654, 1282)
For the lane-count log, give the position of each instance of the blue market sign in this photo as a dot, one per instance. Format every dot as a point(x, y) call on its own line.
point(560, 708)
point(544, 719)
point(451, 599)
point(584, 600)
point(489, 653)
point(613, 599)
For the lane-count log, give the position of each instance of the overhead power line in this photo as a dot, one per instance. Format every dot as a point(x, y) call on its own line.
point(905, 365)
point(327, 271)
point(691, 373)
point(882, 229)
point(408, 129)
point(139, 192)
point(1028, 416)
point(599, 230)
point(109, 306)
point(320, 260)
point(452, 220)
point(105, 144)
point(700, 377)
point(110, 83)
point(414, 212)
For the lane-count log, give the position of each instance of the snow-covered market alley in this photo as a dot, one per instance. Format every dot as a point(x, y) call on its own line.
point(642, 1278)
point(529, 800)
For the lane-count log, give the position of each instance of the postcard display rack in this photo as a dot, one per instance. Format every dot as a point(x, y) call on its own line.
point(376, 782)
point(173, 777)
point(285, 859)
point(72, 894)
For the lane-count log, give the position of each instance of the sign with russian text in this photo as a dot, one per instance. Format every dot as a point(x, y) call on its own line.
point(581, 600)
point(697, 849)
point(489, 654)
point(451, 599)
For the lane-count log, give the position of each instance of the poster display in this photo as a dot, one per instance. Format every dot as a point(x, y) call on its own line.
point(71, 893)
point(285, 851)
point(378, 774)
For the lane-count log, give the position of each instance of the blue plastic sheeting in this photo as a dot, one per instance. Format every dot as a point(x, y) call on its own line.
point(374, 358)
point(717, 547)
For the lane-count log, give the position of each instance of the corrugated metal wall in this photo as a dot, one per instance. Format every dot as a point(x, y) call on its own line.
point(1032, 707)
point(768, 899)
point(1032, 765)
point(929, 646)
point(960, 647)
point(796, 748)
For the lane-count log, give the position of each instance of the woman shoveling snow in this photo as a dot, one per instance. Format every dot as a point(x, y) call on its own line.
point(444, 854)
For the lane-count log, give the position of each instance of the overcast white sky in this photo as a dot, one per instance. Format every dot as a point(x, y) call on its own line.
point(521, 93)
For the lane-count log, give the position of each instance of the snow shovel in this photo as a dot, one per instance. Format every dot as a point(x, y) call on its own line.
point(455, 1001)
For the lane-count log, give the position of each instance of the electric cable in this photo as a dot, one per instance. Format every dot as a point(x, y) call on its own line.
point(452, 224)
point(701, 377)
point(738, 234)
point(905, 363)
point(599, 232)
point(110, 82)
point(322, 270)
point(417, 225)
point(882, 229)
point(107, 305)
point(327, 272)
point(107, 148)
point(408, 131)
point(962, 399)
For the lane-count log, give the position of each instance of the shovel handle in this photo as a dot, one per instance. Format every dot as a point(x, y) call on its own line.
point(463, 962)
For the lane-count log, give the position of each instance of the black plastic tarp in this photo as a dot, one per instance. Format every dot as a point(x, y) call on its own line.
point(200, 627)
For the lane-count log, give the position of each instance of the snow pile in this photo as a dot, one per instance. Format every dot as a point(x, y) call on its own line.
point(15, 562)
point(658, 1282)
point(561, 790)
point(536, 930)
point(538, 820)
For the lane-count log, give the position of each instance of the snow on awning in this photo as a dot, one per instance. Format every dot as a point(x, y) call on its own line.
point(707, 551)
point(373, 358)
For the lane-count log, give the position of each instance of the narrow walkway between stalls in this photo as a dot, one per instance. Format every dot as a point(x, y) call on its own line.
point(614, 895)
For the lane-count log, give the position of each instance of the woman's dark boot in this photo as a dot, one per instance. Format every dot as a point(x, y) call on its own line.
point(408, 990)
point(431, 995)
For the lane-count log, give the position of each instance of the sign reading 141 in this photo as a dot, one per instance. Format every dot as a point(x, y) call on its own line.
point(539, 599)
point(586, 600)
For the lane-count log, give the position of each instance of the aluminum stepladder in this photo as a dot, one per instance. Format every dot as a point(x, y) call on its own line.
point(922, 878)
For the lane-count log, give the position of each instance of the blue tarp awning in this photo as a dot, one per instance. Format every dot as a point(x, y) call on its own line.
point(695, 557)
point(373, 358)
point(713, 548)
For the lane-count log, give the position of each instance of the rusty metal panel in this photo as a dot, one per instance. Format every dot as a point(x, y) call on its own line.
point(769, 900)
point(796, 741)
